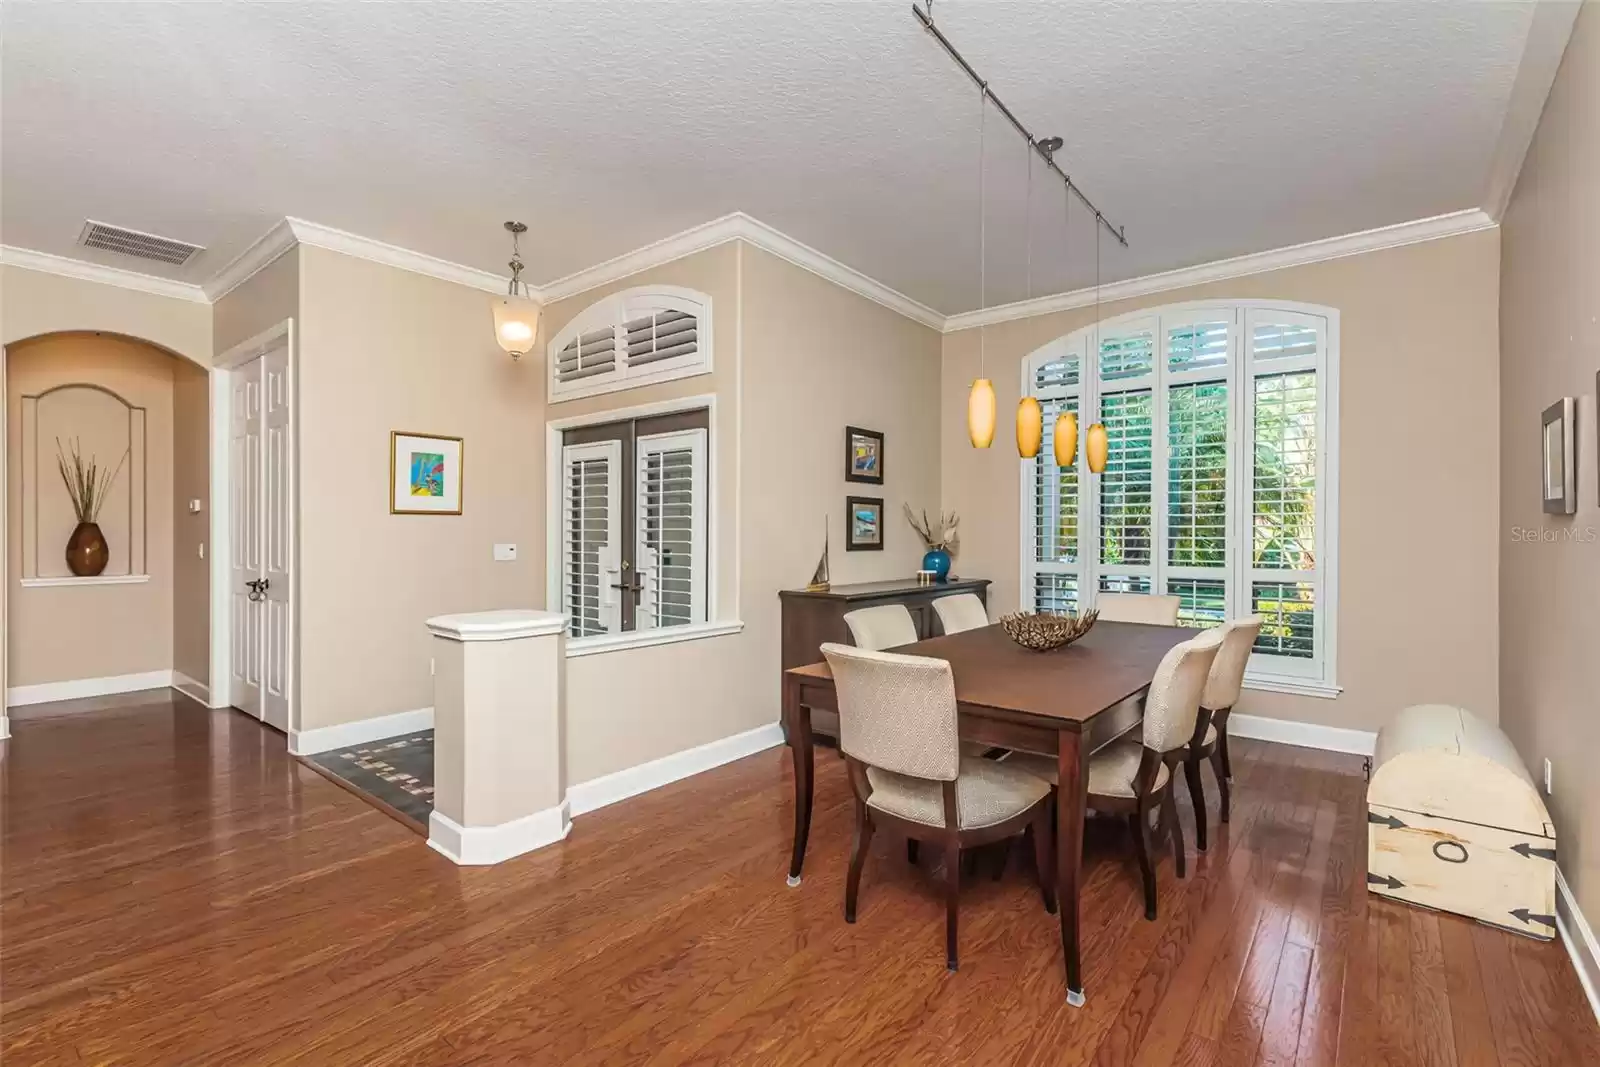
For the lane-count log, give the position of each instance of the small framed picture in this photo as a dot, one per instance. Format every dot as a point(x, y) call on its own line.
point(863, 455)
point(424, 474)
point(1560, 477)
point(863, 524)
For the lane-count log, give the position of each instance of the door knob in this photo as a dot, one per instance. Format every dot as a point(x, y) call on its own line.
point(258, 589)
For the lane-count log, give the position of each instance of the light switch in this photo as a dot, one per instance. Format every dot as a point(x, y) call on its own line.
point(202, 550)
point(194, 507)
point(505, 553)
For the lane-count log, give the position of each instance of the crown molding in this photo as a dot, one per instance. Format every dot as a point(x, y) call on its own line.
point(1548, 33)
point(272, 244)
point(83, 270)
point(318, 236)
point(1351, 244)
point(741, 227)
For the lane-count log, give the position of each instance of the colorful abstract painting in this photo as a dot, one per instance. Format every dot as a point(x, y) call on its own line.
point(427, 474)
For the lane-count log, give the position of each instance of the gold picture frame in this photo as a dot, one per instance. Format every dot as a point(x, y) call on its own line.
point(430, 480)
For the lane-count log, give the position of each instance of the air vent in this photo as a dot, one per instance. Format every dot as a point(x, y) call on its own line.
point(134, 243)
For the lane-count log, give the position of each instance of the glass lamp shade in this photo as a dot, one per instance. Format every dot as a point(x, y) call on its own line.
point(980, 413)
point(1096, 447)
point(1030, 427)
point(1066, 439)
point(516, 324)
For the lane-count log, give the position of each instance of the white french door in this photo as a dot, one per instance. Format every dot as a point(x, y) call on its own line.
point(261, 528)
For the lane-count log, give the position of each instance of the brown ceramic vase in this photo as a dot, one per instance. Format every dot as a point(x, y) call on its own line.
point(86, 550)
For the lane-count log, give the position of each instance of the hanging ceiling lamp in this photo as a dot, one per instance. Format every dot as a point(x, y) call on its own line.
point(1030, 416)
point(516, 315)
point(980, 401)
point(1066, 439)
point(1097, 444)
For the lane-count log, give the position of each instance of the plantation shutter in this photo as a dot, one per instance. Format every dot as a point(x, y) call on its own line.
point(636, 337)
point(587, 355)
point(1054, 559)
point(1285, 415)
point(663, 335)
point(1198, 422)
point(670, 480)
point(1126, 521)
point(591, 520)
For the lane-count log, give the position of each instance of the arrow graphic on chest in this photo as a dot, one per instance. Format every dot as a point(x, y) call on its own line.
point(1530, 917)
point(1527, 851)
point(1387, 881)
point(1385, 820)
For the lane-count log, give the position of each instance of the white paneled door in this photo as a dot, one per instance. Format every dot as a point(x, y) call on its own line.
point(244, 528)
point(262, 525)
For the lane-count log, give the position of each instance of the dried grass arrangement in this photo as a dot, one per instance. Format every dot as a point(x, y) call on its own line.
point(87, 483)
point(1045, 632)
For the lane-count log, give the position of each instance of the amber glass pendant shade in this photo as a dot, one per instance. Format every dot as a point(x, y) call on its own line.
point(1096, 447)
point(980, 413)
point(1030, 427)
point(1066, 439)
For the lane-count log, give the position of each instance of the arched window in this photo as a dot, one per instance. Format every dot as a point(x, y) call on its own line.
point(635, 337)
point(1221, 481)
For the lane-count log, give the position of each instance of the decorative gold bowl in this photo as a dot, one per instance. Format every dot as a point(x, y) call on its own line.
point(1041, 633)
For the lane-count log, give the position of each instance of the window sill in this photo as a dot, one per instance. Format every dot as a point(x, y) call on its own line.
point(670, 635)
point(98, 579)
point(1292, 686)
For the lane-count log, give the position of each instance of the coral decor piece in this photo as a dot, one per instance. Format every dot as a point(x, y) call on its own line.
point(1042, 633)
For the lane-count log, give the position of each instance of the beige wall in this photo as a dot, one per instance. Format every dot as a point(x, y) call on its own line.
point(1550, 348)
point(58, 634)
point(191, 480)
point(34, 303)
point(382, 349)
point(803, 360)
point(1418, 468)
point(271, 295)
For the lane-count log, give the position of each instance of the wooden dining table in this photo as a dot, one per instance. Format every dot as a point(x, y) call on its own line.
point(1067, 703)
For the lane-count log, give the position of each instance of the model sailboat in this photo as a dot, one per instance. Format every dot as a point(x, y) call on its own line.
point(819, 578)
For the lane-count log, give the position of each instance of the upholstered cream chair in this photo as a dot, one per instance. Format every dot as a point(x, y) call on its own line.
point(885, 626)
point(1210, 740)
point(1134, 778)
point(897, 728)
point(963, 611)
point(1138, 607)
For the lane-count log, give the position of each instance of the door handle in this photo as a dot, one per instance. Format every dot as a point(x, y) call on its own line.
point(258, 589)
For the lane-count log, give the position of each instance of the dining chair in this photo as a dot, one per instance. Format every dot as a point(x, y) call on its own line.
point(885, 626)
point(897, 728)
point(1210, 741)
point(1135, 778)
point(1138, 607)
point(964, 611)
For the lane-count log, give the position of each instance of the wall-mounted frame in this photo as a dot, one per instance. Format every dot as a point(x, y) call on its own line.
point(863, 456)
point(1559, 470)
point(425, 472)
point(863, 523)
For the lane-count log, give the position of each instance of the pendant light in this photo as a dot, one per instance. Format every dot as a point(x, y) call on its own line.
point(980, 401)
point(1030, 416)
point(1097, 444)
point(516, 315)
point(1066, 439)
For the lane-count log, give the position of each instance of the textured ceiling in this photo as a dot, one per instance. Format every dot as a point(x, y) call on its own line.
point(1208, 129)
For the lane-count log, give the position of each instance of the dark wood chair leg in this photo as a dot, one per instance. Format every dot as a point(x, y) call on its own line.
point(1043, 860)
point(1169, 813)
point(1221, 721)
point(858, 859)
point(1197, 793)
point(1219, 764)
point(1002, 855)
point(969, 864)
point(1139, 824)
point(911, 849)
point(952, 900)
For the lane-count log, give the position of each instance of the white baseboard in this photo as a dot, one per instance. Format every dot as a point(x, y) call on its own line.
point(1580, 941)
point(1304, 734)
point(45, 692)
point(476, 846)
point(5, 728)
point(327, 738)
point(610, 788)
point(192, 689)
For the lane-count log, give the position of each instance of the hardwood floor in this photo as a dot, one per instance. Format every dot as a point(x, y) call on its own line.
point(177, 890)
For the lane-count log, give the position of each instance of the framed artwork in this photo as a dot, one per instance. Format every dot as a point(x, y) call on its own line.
point(863, 523)
point(424, 474)
point(863, 455)
point(1560, 476)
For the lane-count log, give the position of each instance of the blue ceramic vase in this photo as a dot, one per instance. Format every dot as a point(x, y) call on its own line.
point(937, 560)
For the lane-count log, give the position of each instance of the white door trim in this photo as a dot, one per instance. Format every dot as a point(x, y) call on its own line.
point(221, 490)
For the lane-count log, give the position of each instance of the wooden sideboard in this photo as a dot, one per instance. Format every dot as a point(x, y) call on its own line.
point(811, 619)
